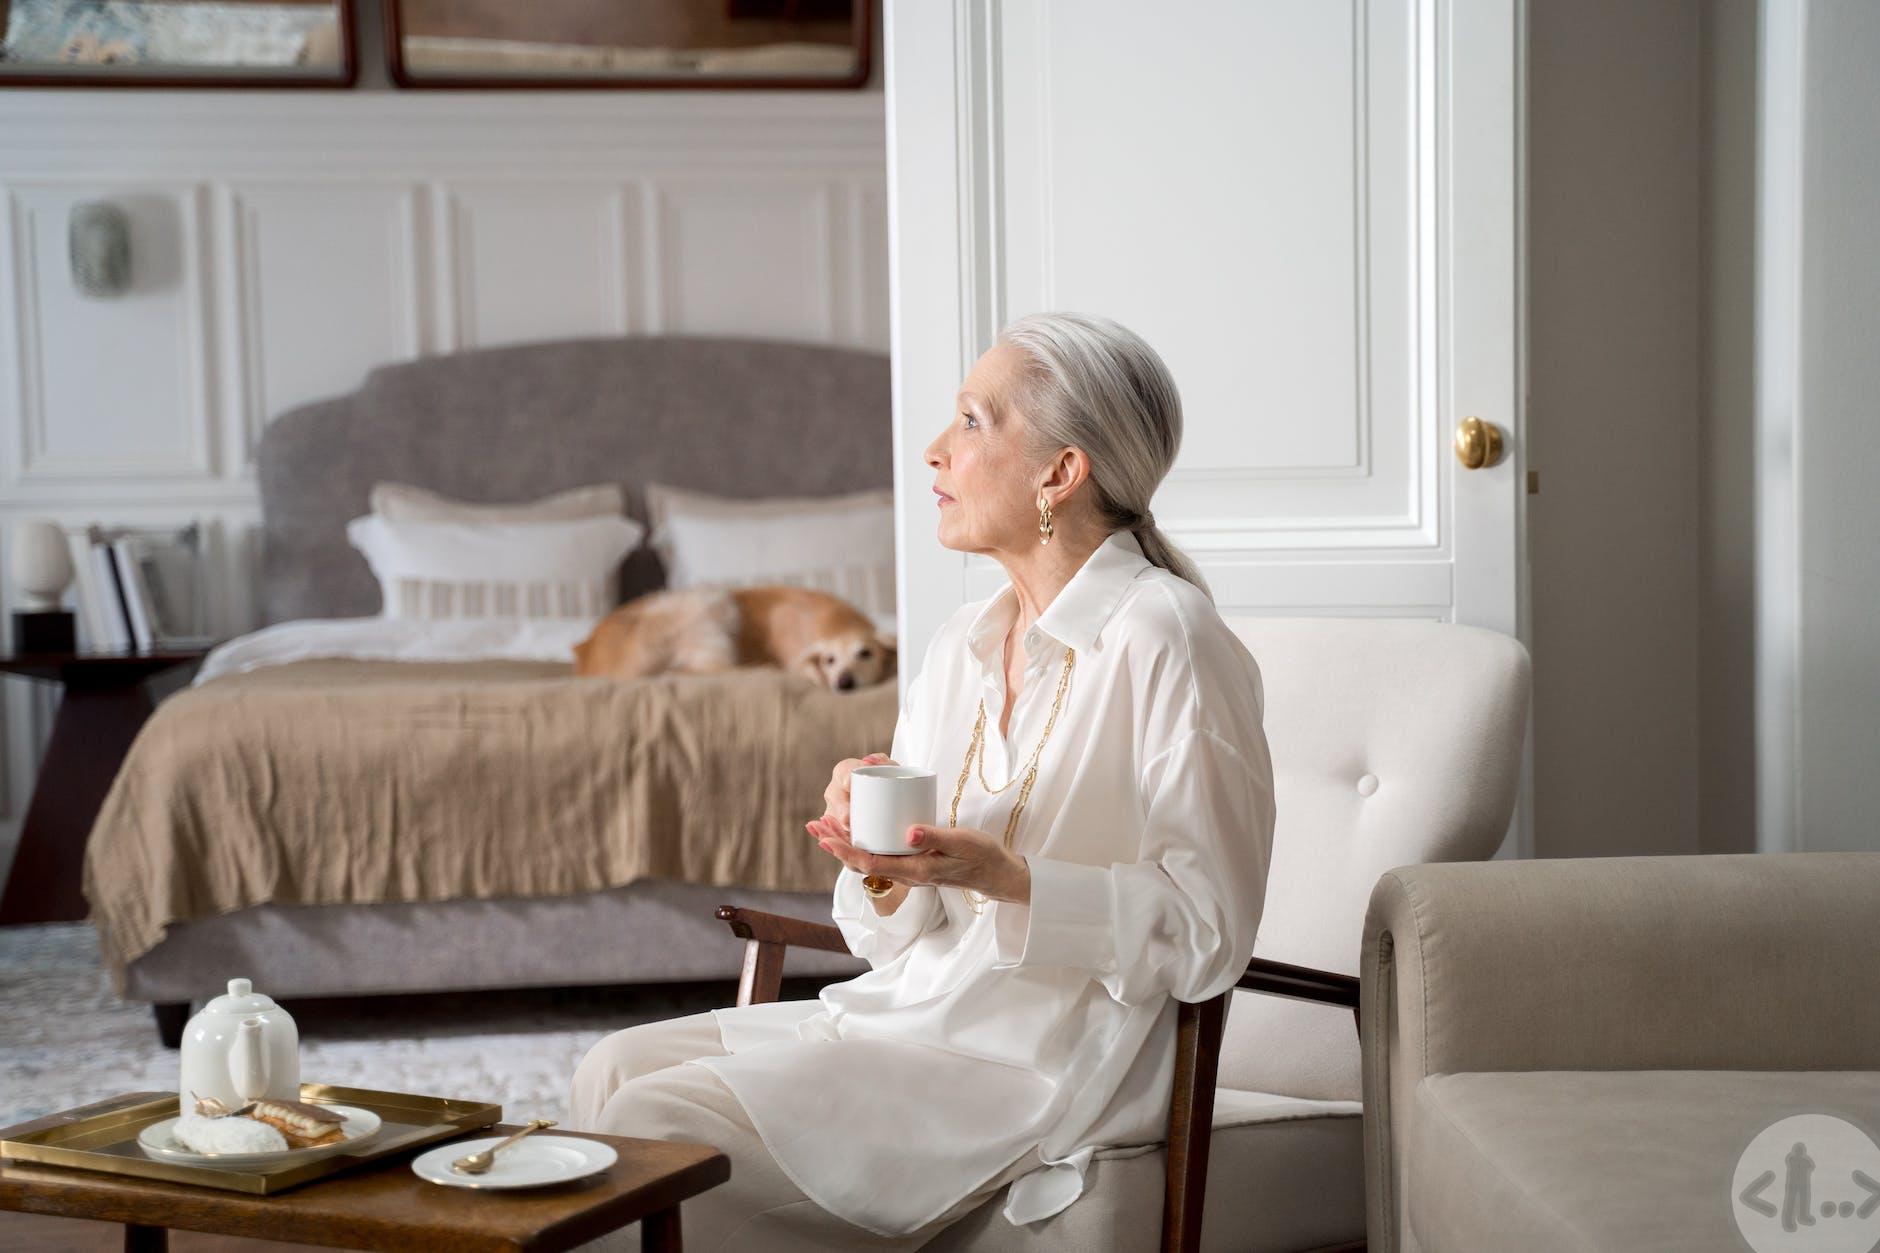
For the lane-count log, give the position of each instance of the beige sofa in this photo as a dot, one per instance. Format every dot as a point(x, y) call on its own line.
point(1575, 1053)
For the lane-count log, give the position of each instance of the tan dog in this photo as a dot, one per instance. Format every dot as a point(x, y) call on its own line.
point(708, 631)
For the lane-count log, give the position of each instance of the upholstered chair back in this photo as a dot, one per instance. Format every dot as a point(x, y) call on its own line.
point(1394, 742)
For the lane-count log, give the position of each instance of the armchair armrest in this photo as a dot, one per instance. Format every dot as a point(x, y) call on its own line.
point(755, 924)
point(1300, 983)
point(767, 937)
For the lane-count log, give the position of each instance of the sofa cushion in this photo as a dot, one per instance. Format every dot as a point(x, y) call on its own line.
point(1574, 1159)
point(1283, 1173)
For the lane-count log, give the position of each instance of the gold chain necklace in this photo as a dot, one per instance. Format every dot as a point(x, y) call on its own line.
point(977, 748)
point(880, 885)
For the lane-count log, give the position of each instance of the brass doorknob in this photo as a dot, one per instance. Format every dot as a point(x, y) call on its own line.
point(1478, 443)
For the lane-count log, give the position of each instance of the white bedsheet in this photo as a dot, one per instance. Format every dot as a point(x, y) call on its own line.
point(396, 639)
point(407, 639)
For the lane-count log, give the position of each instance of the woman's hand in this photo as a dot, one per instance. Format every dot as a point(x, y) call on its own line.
point(836, 795)
point(835, 819)
point(957, 856)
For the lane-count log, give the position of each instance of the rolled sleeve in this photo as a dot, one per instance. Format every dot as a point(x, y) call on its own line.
point(1069, 921)
point(877, 937)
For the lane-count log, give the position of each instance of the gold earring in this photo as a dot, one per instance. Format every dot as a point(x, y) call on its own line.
point(1044, 520)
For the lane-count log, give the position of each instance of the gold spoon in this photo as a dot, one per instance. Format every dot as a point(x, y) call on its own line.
point(479, 1163)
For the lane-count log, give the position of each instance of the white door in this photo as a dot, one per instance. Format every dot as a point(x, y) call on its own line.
point(1310, 208)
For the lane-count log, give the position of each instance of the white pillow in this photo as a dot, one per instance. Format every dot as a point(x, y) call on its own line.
point(843, 545)
point(438, 570)
point(402, 502)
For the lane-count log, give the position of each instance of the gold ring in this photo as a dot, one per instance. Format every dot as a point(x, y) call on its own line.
point(876, 886)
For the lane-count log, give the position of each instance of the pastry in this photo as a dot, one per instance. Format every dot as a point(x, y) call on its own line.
point(227, 1135)
point(303, 1124)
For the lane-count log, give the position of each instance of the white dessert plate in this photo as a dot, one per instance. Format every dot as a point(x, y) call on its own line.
point(159, 1140)
point(531, 1163)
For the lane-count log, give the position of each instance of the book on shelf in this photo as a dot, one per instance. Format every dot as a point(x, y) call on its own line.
point(140, 588)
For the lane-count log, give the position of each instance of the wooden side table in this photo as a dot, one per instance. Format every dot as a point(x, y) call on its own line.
point(383, 1205)
point(105, 703)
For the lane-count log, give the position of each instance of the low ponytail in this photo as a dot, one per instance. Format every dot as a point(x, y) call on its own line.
point(1095, 384)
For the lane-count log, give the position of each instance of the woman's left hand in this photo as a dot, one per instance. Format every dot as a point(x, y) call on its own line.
point(956, 856)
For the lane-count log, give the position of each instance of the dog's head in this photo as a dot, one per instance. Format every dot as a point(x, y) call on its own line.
point(847, 662)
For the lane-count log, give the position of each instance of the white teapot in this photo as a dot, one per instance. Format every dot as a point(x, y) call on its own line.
point(238, 1048)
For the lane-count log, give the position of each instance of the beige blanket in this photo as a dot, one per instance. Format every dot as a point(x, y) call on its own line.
point(321, 782)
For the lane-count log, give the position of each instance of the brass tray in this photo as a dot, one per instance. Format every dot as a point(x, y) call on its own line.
point(107, 1141)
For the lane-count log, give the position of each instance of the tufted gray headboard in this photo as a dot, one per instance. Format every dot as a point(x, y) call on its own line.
point(738, 417)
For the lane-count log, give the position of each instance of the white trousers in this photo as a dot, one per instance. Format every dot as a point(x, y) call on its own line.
point(634, 1083)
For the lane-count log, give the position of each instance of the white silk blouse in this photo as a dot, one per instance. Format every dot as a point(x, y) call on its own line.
point(974, 1038)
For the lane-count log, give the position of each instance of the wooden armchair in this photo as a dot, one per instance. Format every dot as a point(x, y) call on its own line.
point(1395, 743)
point(1197, 1046)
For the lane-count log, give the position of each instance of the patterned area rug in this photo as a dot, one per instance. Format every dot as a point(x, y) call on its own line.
point(66, 1039)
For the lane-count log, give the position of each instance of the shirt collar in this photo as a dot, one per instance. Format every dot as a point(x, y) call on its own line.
point(1076, 614)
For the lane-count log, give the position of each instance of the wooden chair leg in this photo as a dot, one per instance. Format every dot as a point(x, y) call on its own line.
point(762, 978)
point(1191, 1121)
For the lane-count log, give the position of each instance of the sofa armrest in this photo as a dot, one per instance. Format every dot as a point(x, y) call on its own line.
point(1753, 961)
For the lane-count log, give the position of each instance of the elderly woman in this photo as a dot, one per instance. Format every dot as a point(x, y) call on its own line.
point(1108, 800)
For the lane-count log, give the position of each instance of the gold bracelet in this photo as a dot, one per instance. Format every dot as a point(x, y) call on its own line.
point(877, 886)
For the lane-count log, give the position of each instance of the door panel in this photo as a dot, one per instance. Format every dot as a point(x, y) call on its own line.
point(1310, 208)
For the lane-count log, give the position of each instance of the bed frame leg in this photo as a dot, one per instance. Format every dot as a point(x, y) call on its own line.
point(172, 1017)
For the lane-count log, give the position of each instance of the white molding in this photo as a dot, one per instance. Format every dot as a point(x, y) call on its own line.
point(983, 126)
point(613, 205)
point(1520, 841)
point(464, 133)
point(653, 286)
point(193, 454)
point(1255, 584)
point(814, 193)
point(1781, 130)
point(979, 129)
point(243, 344)
point(1364, 366)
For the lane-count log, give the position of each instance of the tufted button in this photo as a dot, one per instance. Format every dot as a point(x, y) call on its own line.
point(1367, 784)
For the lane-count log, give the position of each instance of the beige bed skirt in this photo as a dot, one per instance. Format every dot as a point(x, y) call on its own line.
point(358, 782)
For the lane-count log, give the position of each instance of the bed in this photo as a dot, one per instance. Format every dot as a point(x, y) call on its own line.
point(365, 823)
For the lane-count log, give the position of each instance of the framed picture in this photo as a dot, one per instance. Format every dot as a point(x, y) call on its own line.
point(177, 43)
point(664, 44)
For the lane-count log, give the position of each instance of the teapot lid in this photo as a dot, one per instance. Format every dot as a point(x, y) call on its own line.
point(241, 998)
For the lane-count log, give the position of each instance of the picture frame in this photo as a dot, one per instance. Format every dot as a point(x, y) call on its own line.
point(178, 43)
point(588, 45)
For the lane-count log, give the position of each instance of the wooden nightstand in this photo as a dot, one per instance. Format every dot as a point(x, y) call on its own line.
point(104, 705)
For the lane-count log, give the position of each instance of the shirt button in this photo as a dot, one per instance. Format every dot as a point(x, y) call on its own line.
point(1367, 784)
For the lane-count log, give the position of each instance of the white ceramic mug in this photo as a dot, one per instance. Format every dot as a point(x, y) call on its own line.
point(884, 801)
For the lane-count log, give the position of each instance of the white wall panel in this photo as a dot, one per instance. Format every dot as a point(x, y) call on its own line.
point(1288, 219)
point(297, 254)
point(749, 256)
point(533, 260)
point(108, 386)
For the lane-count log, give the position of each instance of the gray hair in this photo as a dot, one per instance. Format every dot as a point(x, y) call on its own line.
point(1094, 384)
